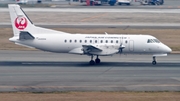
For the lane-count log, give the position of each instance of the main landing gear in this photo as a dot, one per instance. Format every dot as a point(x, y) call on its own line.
point(154, 60)
point(92, 62)
point(97, 60)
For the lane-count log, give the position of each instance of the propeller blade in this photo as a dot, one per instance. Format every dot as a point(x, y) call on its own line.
point(121, 48)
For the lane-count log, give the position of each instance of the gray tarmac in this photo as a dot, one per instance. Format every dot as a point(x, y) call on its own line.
point(37, 71)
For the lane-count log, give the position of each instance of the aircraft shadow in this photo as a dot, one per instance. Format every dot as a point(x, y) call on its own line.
point(86, 64)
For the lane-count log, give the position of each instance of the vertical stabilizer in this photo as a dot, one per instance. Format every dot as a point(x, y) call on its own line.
point(19, 20)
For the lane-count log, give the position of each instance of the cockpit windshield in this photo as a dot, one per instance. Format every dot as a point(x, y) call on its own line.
point(153, 41)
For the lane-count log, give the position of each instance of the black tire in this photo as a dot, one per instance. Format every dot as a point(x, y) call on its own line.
point(154, 62)
point(119, 3)
point(92, 62)
point(97, 60)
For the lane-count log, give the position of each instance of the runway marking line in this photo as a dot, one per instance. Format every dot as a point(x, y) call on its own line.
point(93, 17)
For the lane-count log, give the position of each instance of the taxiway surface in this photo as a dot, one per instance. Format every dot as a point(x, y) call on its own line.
point(36, 71)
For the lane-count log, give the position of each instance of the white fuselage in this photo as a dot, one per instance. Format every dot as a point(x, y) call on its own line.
point(72, 43)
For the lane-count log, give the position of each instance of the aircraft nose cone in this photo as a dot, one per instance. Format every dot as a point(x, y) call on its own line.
point(168, 50)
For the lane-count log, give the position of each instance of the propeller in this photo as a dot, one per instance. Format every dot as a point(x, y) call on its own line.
point(121, 47)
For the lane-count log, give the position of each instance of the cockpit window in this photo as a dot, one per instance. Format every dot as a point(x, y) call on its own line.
point(156, 40)
point(149, 41)
point(153, 41)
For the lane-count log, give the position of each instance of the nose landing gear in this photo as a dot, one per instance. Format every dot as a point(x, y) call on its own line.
point(154, 60)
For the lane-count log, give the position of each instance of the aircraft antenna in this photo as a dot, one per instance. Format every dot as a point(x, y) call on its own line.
point(106, 33)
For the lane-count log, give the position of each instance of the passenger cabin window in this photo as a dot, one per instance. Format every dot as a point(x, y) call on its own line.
point(65, 41)
point(126, 41)
point(90, 41)
point(101, 41)
point(106, 41)
point(70, 41)
point(80, 41)
point(111, 41)
point(116, 41)
point(95, 41)
point(85, 41)
point(75, 41)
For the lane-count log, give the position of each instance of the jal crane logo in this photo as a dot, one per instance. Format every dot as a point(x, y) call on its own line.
point(21, 23)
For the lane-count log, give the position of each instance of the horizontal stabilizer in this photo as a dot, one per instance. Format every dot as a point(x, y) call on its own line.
point(23, 45)
point(24, 35)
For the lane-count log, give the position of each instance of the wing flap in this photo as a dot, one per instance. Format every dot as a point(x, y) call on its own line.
point(23, 45)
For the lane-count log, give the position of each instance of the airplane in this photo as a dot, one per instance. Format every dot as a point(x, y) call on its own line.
point(29, 35)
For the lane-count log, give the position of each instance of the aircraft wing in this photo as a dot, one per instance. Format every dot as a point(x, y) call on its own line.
point(85, 49)
point(90, 48)
point(94, 50)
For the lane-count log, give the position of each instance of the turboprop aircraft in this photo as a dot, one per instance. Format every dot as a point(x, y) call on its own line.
point(29, 35)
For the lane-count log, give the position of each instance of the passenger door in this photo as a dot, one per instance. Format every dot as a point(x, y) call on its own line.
point(131, 45)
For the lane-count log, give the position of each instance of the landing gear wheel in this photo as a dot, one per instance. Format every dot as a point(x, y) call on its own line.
point(97, 60)
point(91, 62)
point(154, 62)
